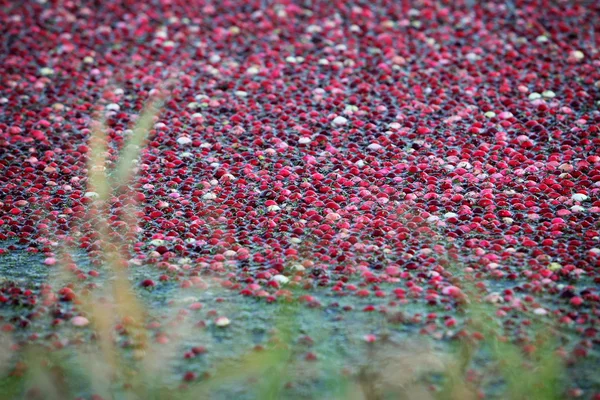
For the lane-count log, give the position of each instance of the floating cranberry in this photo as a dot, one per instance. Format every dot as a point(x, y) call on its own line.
point(189, 376)
point(148, 283)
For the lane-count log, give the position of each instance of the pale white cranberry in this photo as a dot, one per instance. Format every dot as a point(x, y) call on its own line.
point(79, 321)
point(339, 121)
point(46, 71)
point(184, 140)
point(577, 55)
point(281, 279)
point(579, 197)
point(230, 254)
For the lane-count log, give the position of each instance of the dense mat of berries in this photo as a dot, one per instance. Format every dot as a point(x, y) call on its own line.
point(344, 144)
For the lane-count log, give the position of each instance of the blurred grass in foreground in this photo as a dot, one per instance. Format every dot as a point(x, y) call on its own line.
point(389, 370)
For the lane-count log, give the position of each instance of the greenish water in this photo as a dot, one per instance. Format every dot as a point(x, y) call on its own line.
point(337, 333)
